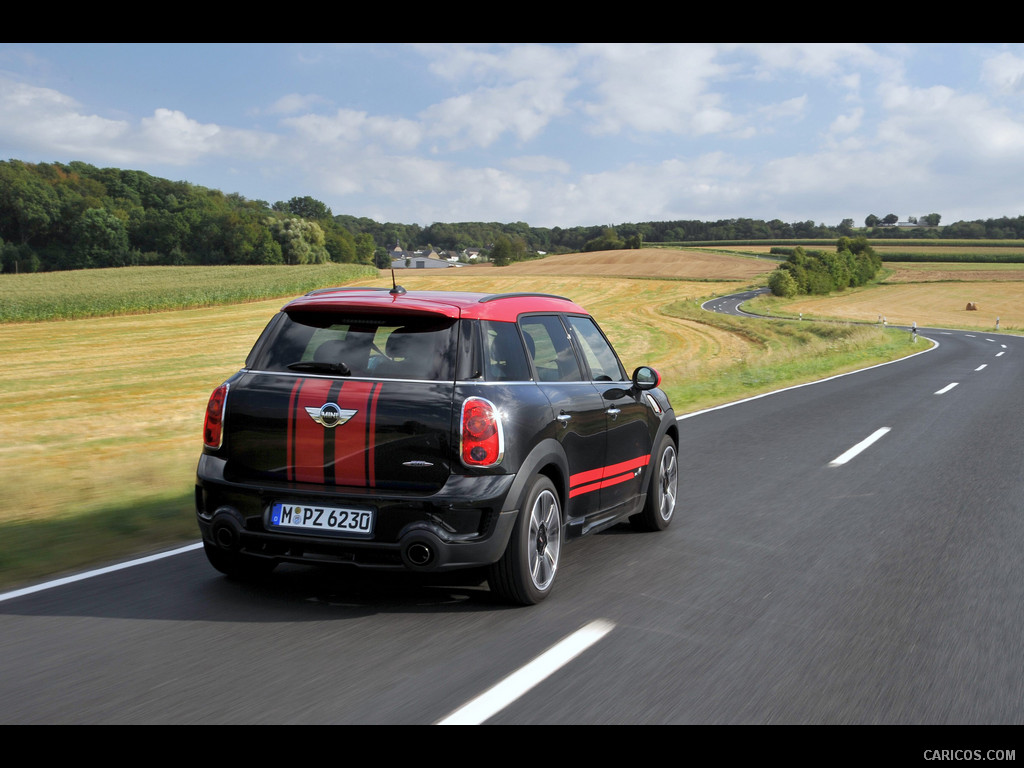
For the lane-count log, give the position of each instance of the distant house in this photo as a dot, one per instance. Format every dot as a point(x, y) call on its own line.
point(402, 259)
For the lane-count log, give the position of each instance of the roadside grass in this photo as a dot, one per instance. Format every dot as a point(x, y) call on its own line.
point(101, 417)
point(41, 548)
point(781, 353)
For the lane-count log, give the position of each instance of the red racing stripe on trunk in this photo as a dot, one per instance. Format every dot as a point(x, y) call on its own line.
point(354, 440)
point(306, 437)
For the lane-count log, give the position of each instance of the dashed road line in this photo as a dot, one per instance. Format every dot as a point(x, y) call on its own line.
point(860, 447)
point(495, 699)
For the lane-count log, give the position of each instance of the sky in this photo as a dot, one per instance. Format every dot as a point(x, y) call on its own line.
point(572, 134)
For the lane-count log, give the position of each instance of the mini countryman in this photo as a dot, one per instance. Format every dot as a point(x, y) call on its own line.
point(430, 431)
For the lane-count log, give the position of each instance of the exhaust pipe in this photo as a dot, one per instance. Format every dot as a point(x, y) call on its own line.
point(226, 529)
point(419, 554)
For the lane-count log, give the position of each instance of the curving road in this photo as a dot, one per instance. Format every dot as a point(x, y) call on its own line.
point(846, 552)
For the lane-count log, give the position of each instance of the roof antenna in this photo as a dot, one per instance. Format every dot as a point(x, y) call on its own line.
point(396, 289)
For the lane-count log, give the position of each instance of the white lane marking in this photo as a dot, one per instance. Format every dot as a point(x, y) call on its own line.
point(992, 340)
point(97, 572)
point(1003, 346)
point(1000, 354)
point(519, 682)
point(878, 434)
point(970, 336)
point(946, 388)
point(981, 367)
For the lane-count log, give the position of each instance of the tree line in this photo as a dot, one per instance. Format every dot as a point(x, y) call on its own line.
point(56, 216)
point(75, 215)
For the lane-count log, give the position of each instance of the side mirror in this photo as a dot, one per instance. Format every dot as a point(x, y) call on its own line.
point(645, 378)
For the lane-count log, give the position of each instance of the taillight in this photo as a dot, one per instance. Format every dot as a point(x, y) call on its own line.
point(213, 425)
point(482, 442)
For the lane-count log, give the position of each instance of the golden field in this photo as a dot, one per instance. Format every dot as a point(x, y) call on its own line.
point(100, 419)
point(668, 263)
point(104, 411)
point(933, 295)
point(107, 409)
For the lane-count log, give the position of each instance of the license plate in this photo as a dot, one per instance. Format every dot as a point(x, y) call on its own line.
point(336, 521)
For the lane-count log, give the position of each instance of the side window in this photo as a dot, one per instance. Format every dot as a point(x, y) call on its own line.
point(549, 347)
point(506, 359)
point(604, 365)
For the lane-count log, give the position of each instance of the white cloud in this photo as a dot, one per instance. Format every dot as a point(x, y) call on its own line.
point(347, 128)
point(656, 88)
point(847, 123)
point(1003, 72)
point(482, 117)
point(538, 164)
point(44, 119)
point(517, 90)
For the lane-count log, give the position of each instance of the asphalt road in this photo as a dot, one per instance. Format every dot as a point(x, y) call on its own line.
point(809, 577)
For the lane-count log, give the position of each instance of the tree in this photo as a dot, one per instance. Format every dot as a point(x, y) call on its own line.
point(501, 253)
point(365, 248)
point(608, 240)
point(931, 220)
point(100, 240)
point(871, 220)
point(890, 219)
point(301, 241)
point(782, 283)
point(307, 207)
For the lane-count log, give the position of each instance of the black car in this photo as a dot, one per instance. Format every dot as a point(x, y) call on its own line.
point(430, 431)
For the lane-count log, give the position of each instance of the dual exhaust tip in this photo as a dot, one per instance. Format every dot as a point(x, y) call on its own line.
point(418, 553)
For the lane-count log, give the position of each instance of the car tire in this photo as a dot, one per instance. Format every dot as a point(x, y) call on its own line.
point(526, 572)
point(661, 495)
point(237, 566)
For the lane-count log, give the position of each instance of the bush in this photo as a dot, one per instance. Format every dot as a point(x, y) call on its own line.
point(782, 283)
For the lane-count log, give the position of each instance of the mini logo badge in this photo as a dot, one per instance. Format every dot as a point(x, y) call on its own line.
point(330, 414)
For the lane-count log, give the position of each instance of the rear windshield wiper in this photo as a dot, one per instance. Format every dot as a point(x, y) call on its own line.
point(321, 367)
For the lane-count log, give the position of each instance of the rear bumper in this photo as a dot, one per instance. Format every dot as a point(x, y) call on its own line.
point(467, 523)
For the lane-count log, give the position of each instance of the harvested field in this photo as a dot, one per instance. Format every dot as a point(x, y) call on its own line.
point(129, 392)
point(991, 250)
point(627, 311)
point(943, 272)
point(103, 409)
point(940, 304)
point(647, 262)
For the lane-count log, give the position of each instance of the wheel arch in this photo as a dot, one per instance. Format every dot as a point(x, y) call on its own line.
point(548, 459)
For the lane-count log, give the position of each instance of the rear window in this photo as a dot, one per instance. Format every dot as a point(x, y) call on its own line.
point(377, 346)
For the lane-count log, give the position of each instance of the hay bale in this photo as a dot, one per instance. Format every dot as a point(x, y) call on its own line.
point(972, 307)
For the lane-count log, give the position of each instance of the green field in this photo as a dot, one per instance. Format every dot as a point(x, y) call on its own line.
point(134, 290)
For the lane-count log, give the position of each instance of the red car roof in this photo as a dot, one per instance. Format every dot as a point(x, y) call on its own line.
point(481, 306)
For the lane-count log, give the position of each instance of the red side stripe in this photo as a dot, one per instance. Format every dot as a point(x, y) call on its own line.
point(602, 477)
